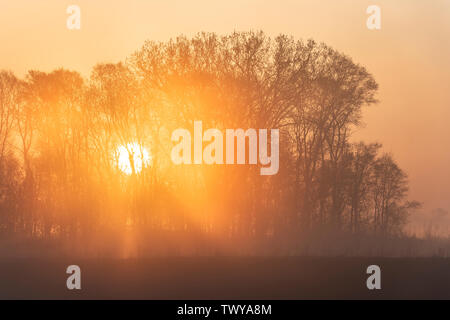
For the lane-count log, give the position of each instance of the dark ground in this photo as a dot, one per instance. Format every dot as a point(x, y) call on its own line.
point(226, 278)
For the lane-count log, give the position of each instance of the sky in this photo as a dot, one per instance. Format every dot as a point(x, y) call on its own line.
point(409, 57)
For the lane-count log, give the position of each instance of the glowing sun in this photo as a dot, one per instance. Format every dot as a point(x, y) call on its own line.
point(132, 155)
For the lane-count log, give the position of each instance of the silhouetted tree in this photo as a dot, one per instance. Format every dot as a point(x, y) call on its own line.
point(60, 135)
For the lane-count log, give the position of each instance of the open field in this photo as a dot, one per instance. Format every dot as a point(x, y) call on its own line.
point(226, 278)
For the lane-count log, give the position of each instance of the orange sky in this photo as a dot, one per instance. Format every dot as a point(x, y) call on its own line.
point(409, 56)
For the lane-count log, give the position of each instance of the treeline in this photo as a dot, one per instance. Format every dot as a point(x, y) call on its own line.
point(59, 135)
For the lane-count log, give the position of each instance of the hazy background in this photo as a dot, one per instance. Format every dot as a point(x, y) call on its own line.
point(409, 57)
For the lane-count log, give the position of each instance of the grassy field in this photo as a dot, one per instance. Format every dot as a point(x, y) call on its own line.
point(226, 278)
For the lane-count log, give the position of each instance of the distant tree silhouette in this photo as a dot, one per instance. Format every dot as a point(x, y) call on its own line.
point(59, 136)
